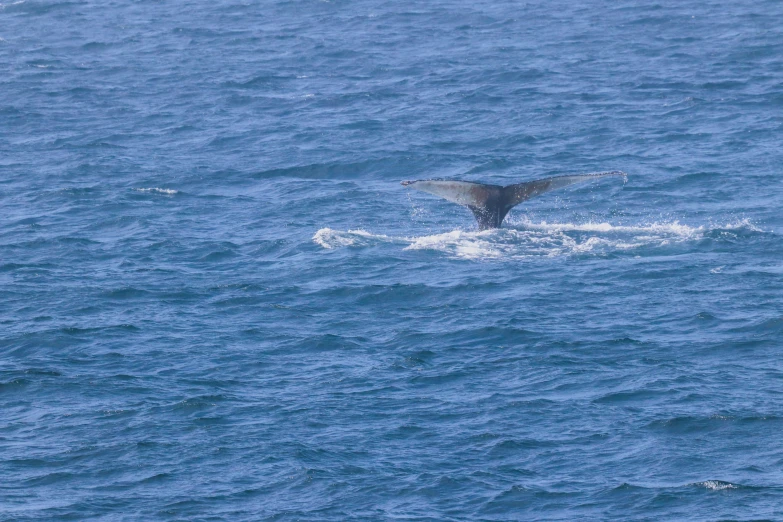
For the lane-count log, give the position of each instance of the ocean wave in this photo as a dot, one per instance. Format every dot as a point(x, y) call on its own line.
point(528, 239)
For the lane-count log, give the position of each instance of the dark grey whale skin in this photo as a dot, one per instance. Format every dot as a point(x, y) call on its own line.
point(491, 203)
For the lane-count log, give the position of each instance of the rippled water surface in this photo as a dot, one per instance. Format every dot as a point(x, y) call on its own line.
point(218, 303)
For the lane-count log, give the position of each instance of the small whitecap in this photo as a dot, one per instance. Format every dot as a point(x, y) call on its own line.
point(156, 190)
point(742, 224)
point(328, 238)
point(716, 485)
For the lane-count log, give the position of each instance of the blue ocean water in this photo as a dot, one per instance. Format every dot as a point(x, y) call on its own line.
point(218, 303)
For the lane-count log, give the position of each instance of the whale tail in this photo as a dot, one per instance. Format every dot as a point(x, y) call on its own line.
point(491, 203)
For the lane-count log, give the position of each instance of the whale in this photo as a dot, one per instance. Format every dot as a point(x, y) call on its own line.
point(491, 203)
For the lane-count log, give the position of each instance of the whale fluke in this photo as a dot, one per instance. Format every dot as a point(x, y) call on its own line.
point(491, 203)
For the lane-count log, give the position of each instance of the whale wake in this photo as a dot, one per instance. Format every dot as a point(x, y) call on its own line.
point(528, 239)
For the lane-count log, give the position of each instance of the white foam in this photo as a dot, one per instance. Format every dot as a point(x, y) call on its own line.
point(530, 239)
point(169, 192)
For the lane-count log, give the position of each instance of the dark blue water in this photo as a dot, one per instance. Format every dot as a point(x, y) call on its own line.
point(218, 303)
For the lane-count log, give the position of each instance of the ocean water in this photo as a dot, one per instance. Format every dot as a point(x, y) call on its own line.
point(218, 303)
